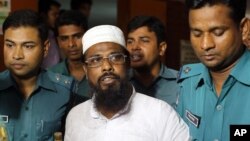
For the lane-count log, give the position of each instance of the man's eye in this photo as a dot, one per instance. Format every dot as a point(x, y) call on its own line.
point(63, 38)
point(129, 41)
point(196, 33)
point(78, 36)
point(28, 46)
point(144, 40)
point(8, 45)
point(95, 60)
point(218, 32)
point(116, 57)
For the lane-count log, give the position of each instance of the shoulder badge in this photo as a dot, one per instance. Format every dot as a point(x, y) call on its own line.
point(189, 70)
point(60, 79)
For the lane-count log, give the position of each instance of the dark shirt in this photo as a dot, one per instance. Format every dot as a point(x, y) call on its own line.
point(39, 116)
point(164, 86)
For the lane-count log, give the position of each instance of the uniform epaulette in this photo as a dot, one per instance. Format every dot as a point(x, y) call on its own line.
point(189, 70)
point(60, 79)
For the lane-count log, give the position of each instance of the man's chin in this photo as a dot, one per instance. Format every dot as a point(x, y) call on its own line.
point(113, 98)
point(137, 64)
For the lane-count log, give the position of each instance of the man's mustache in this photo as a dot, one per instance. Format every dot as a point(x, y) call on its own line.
point(108, 74)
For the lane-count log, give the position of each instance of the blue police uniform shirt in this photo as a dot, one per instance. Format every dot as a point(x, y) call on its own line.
point(164, 87)
point(209, 117)
point(39, 116)
point(81, 87)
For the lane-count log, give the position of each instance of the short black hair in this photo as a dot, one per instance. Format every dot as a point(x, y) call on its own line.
point(76, 4)
point(24, 18)
point(238, 7)
point(45, 5)
point(153, 24)
point(71, 17)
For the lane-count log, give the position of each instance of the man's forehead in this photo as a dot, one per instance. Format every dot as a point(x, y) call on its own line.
point(22, 34)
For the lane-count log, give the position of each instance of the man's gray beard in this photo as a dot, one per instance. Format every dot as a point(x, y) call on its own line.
point(114, 98)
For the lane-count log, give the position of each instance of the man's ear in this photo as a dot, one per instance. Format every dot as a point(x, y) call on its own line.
point(162, 48)
point(245, 28)
point(46, 47)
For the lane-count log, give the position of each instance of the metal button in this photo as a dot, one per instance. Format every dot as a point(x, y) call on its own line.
point(219, 107)
point(187, 70)
point(25, 135)
point(57, 77)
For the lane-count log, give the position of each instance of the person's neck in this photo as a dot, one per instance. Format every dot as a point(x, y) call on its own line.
point(26, 85)
point(147, 75)
point(219, 77)
point(76, 69)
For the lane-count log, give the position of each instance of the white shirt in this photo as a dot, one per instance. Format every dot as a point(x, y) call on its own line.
point(143, 119)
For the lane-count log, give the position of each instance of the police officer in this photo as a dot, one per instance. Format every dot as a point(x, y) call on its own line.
point(70, 28)
point(33, 101)
point(216, 92)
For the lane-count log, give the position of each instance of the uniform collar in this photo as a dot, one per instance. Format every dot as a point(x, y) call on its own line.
point(242, 66)
point(204, 77)
point(96, 114)
point(43, 80)
point(7, 79)
point(241, 70)
point(164, 73)
point(66, 66)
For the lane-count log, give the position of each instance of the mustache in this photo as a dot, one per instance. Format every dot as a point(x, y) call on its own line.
point(137, 52)
point(108, 74)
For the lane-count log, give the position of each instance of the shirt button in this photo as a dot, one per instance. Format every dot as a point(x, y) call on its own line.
point(25, 135)
point(219, 107)
point(26, 108)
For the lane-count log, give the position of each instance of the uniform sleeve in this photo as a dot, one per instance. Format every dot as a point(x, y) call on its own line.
point(173, 128)
point(179, 104)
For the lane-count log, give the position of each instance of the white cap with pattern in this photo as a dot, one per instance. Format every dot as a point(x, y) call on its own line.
point(102, 33)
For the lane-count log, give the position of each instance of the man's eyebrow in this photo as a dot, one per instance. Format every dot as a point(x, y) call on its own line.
point(75, 34)
point(142, 37)
point(210, 29)
point(25, 42)
point(218, 27)
point(8, 40)
point(28, 42)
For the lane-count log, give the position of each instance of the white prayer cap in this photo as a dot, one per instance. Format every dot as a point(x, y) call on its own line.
point(102, 33)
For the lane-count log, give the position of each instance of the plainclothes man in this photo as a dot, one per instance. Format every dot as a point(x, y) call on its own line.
point(116, 111)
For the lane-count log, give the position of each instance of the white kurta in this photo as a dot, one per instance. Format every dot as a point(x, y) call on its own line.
point(144, 119)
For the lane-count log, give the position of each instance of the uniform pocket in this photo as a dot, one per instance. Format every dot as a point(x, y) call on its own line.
point(46, 129)
point(7, 130)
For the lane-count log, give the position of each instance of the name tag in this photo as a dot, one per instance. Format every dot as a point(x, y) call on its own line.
point(4, 119)
point(194, 119)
